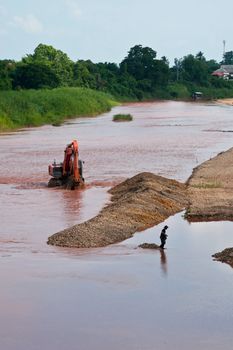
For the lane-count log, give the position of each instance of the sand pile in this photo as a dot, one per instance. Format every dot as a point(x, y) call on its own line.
point(137, 203)
point(210, 189)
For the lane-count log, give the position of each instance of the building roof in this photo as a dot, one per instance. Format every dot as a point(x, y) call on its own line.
point(221, 72)
point(228, 68)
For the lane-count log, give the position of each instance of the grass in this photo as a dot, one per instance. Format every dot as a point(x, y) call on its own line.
point(27, 108)
point(178, 91)
point(122, 117)
point(214, 184)
point(182, 91)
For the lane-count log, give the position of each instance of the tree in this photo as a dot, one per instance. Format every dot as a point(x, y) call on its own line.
point(84, 73)
point(228, 58)
point(58, 61)
point(195, 70)
point(212, 65)
point(6, 69)
point(200, 56)
point(34, 76)
point(165, 60)
point(141, 64)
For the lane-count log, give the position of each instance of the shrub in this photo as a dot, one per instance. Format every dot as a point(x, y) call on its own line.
point(122, 117)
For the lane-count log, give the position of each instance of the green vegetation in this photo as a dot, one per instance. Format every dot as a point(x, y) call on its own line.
point(38, 107)
point(228, 58)
point(122, 118)
point(140, 75)
point(214, 184)
point(47, 86)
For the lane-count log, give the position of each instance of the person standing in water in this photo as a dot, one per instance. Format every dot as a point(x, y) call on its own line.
point(163, 237)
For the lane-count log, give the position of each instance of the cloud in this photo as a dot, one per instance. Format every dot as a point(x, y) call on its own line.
point(28, 23)
point(74, 8)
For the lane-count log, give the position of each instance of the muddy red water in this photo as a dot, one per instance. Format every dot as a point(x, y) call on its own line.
point(118, 297)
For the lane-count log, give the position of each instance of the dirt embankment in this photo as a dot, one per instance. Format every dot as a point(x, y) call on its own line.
point(210, 189)
point(137, 203)
point(210, 192)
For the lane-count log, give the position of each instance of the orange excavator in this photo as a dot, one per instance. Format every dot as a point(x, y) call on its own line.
point(69, 173)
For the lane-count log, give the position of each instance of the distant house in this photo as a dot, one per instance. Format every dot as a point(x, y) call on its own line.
point(224, 72)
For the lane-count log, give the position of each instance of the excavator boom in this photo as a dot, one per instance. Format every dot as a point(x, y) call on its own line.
point(69, 172)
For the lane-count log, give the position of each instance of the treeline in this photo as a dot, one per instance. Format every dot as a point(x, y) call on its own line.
point(140, 75)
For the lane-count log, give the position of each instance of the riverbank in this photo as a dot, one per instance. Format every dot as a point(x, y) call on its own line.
point(27, 108)
point(226, 101)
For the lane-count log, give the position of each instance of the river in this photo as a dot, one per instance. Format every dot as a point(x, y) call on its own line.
point(117, 297)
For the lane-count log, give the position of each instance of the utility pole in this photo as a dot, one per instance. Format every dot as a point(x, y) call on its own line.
point(177, 65)
point(224, 48)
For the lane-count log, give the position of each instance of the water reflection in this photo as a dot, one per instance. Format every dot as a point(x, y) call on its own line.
point(71, 202)
point(163, 261)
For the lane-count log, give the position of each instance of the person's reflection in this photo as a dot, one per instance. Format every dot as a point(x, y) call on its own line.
point(163, 261)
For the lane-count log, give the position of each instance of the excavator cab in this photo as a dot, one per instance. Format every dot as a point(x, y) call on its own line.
point(69, 173)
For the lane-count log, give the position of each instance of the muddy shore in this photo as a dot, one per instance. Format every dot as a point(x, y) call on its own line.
point(147, 199)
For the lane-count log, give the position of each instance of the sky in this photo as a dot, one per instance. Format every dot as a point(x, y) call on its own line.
point(105, 30)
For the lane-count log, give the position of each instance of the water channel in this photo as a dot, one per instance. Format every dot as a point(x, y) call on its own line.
point(118, 297)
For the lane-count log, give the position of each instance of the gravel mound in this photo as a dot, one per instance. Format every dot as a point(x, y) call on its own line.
point(137, 203)
point(149, 246)
point(225, 256)
point(210, 189)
